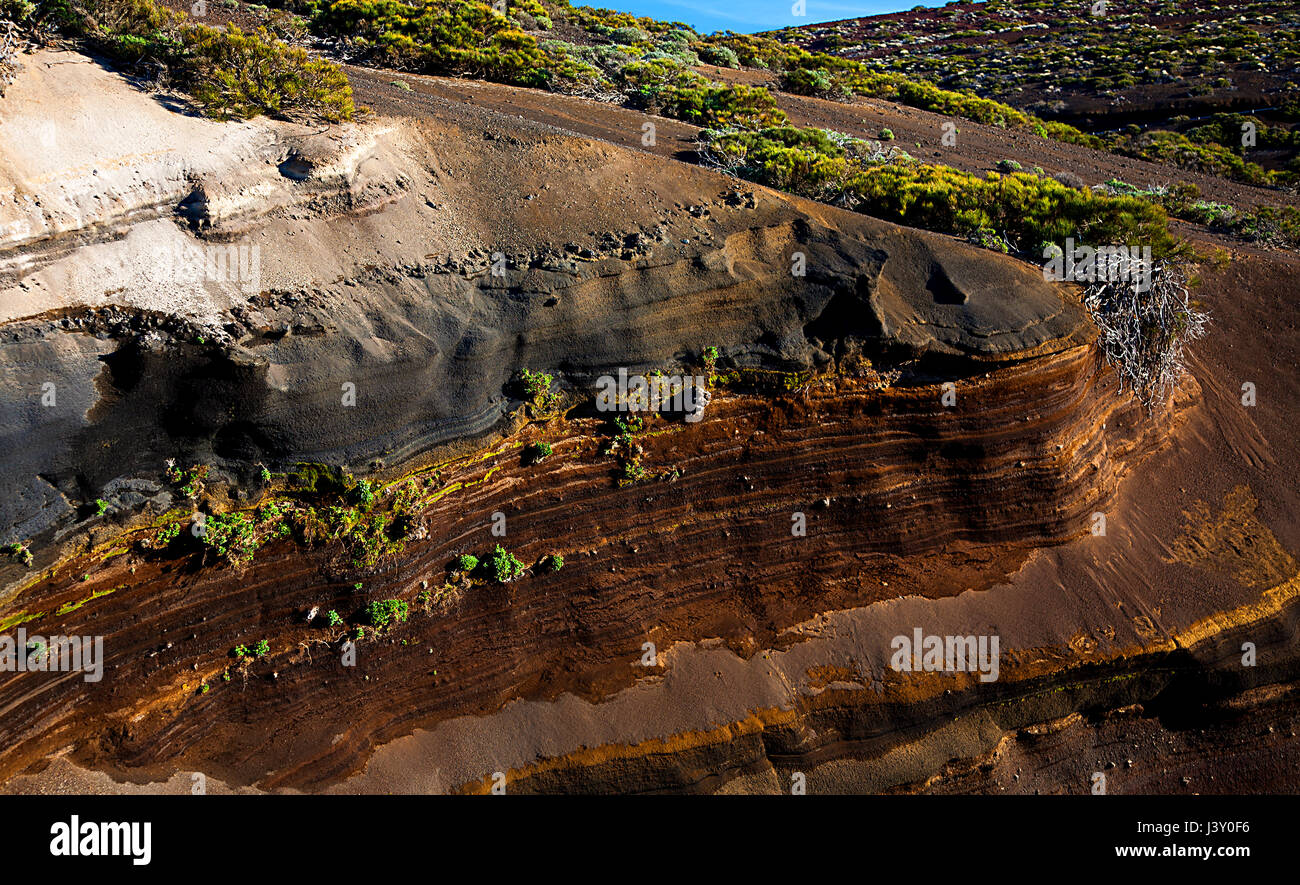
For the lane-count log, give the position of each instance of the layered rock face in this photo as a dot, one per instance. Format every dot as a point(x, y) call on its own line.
point(896, 492)
point(216, 301)
point(365, 298)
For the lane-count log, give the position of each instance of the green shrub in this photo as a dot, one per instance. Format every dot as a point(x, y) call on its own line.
point(232, 75)
point(628, 36)
point(663, 87)
point(166, 535)
point(18, 552)
point(535, 388)
point(785, 157)
point(373, 537)
point(1006, 212)
point(814, 81)
point(1173, 147)
point(709, 357)
point(380, 613)
point(503, 566)
point(451, 37)
point(536, 384)
point(466, 563)
point(1066, 133)
point(721, 56)
point(1274, 225)
point(231, 535)
point(537, 452)
point(363, 493)
point(239, 76)
point(1028, 209)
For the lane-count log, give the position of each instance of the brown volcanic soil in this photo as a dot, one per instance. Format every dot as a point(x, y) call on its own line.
point(918, 515)
point(433, 96)
point(979, 147)
point(1248, 746)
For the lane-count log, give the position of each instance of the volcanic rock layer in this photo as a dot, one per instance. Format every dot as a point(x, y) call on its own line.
point(898, 423)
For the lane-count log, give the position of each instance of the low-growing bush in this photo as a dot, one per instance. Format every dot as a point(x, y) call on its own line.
point(230, 73)
point(804, 161)
point(628, 35)
point(1173, 147)
point(1064, 132)
point(664, 87)
point(1009, 212)
point(18, 553)
point(721, 56)
point(537, 452)
point(1025, 208)
point(230, 535)
point(535, 390)
point(237, 75)
point(380, 613)
point(816, 82)
point(503, 566)
point(452, 37)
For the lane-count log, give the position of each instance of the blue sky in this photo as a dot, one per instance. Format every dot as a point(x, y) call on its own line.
point(749, 16)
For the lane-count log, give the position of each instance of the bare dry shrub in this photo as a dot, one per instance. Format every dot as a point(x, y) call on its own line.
point(1144, 333)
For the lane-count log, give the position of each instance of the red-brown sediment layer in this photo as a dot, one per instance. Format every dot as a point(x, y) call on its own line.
point(898, 491)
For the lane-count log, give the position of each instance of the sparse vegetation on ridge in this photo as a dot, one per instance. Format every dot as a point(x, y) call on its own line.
point(1023, 209)
point(1041, 56)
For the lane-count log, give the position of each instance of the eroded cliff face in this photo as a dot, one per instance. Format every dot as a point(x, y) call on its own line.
point(896, 491)
point(931, 413)
point(215, 301)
